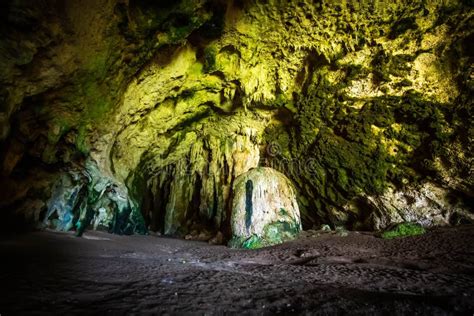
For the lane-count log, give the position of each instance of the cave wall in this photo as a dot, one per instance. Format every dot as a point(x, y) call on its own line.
point(366, 107)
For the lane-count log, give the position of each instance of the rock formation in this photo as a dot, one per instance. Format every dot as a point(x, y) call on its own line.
point(366, 107)
point(264, 209)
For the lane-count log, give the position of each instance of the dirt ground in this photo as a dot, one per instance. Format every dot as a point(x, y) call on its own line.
point(320, 273)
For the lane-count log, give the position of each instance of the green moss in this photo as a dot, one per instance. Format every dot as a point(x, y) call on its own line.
point(252, 242)
point(352, 150)
point(195, 70)
point(405, 83)
point(210, 53)
point(98, 101)
point(404, 230)
point(82, 140)
point(276, 233)
point(179, 33)
point(385, 65)
point(283, 101)
point(283, 212)
point(273, 234)
point(402, 26)
point(97, 67)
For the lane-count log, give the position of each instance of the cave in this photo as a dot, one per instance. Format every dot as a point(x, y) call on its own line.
point(237, 157)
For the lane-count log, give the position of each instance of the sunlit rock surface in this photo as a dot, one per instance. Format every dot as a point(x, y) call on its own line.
point(358, 104)
point(264, 209)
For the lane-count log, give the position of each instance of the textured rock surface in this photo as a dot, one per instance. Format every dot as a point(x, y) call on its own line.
point(428, 205)
point(264, 209)
point(356, 103)
point(89, 198)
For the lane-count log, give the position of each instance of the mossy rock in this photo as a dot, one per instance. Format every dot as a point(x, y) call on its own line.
point(404, 230)
point(264, 209)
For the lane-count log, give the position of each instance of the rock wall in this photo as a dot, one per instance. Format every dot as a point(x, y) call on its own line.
point(357, 103)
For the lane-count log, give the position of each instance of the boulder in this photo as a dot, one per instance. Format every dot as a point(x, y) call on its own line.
point(264, 209)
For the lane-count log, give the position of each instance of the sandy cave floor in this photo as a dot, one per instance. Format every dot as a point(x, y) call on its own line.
point(46, 272)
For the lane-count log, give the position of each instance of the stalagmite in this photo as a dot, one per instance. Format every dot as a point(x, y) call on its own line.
point(264, 209)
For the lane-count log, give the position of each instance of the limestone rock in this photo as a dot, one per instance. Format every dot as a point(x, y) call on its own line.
point(86, 198)
point(175, 100)
point(192, 184)
point(61, 205)
point(264, 209)
point(427, 205)
point(218, 239)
